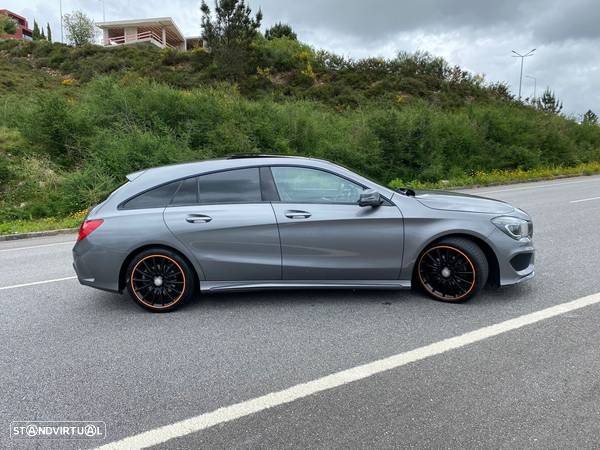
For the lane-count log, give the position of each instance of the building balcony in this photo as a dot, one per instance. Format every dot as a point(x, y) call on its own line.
point(143, 37)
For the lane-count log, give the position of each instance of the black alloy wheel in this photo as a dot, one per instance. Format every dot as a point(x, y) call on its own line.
point(452, 270)
point(159, 280)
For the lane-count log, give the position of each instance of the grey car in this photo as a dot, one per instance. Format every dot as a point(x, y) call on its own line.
point(267, 222)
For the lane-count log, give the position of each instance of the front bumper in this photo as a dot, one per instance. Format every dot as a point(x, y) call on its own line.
point(516, 259)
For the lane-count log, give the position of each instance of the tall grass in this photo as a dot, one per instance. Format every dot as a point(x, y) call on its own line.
point(61, 153)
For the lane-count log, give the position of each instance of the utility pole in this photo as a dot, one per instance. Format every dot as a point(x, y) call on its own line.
point(62, 37)
point(103, 10)
point(518, 55)
point(534, 85)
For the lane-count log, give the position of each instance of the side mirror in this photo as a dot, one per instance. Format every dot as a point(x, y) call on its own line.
point(369, 197)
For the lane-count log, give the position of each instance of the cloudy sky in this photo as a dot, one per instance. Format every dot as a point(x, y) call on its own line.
point(476, 34)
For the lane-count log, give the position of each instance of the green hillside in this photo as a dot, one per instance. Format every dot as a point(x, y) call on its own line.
point(74, 121)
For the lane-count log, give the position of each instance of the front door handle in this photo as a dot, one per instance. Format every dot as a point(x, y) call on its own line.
point(295, 214)
point(198, 218)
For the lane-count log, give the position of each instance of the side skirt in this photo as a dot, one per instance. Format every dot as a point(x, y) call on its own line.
point(217, 286)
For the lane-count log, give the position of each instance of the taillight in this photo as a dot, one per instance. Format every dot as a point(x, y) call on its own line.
point(87, 227)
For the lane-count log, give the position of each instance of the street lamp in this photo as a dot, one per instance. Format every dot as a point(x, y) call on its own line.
point(518, 55)
point(62, 37)
point(534, 85)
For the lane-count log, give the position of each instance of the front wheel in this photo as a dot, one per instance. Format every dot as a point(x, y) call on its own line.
point(452, 270)
point(159, 280)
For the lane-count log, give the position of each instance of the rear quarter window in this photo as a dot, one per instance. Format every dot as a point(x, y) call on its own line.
point(154, 198)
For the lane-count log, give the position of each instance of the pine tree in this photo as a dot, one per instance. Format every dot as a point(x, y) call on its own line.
point(281, 30)
point(36, 36)
point(590, 118)
point(48, 32)
point(230, 34)
point(549, 103)
point(42, 35)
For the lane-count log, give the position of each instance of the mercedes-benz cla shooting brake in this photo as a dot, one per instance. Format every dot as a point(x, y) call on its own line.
point(266, 222)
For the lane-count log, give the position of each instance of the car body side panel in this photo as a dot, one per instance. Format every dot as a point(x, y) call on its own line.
point(340, 242)
point(239, 242)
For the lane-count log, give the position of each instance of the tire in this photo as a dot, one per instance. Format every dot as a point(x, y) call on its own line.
point(452, 270)
point(160, 280)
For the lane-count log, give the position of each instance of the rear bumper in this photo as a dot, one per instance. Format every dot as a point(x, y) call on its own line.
point(97, 266)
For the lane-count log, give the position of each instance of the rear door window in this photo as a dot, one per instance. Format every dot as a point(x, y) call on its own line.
point(232, 186)
point(187, 194)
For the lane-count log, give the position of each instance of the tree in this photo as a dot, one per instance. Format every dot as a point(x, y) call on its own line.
point(7, 25)
point(36, 35)
point(42, 35)
point(281, 30)
point(48, 32)
point(230, 33)
point(590, 118)
point(80, 29)
point(549, 103)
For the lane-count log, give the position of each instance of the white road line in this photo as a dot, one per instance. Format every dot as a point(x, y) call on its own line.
point(538, 186)
point(226, 414)
point(14, 286)
point(585, 200)
point(36, 246)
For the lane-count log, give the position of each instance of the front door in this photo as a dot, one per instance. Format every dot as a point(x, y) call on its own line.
point(325, 235)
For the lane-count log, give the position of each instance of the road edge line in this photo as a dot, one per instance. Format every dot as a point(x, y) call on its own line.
point(34, 283)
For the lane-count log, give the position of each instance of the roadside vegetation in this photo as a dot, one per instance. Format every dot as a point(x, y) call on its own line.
point(75, 120)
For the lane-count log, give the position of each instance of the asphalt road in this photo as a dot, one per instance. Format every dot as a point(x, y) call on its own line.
point(74, 353)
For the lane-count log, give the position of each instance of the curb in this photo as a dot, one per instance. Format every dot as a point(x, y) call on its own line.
point(530, 180)
point(34, 234)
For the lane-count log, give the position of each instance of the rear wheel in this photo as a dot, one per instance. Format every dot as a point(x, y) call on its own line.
point(452, 270)
point(159, 280)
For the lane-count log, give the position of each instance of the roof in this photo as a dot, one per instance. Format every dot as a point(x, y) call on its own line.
point(152, 177)
point(166, 22)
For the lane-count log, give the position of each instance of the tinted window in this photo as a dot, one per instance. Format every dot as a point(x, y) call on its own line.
point(155, 198)
point(187, 194)
point(303, 185)
point(232, 186)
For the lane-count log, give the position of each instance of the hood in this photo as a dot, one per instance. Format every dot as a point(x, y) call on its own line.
point(452, 201)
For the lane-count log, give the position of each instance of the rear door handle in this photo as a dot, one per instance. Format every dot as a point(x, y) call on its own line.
point(294, 214)
point(198, 218)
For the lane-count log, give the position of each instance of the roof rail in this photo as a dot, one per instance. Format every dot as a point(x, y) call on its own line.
point(257, 155)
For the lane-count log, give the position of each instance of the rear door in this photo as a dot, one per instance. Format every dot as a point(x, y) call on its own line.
point(325, 235)
point(223, 221)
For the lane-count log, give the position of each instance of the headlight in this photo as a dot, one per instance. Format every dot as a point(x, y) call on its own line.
point(516, 228)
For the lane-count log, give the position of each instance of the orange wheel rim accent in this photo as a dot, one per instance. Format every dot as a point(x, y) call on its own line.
point(152, 305)
point(431, 290)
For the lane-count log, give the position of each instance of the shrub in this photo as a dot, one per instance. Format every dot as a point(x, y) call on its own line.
point(409, 118)
point(172, 56)
point(282, 53)
point(5, 171)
